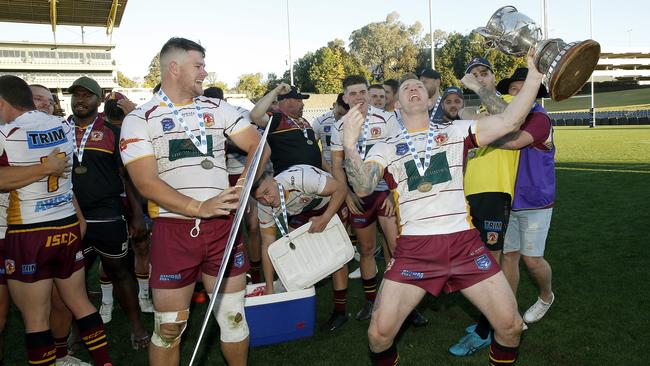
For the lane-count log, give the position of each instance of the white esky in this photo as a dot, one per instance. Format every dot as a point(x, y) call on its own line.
point(251, 36)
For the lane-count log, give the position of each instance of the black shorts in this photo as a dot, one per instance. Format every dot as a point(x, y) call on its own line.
point(108, 239)
point(490, 212)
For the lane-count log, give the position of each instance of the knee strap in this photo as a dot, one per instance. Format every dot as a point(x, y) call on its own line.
point(229, 311)
point(169, 317)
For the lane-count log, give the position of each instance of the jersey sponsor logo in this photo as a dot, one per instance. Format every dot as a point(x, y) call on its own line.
point(493, 225)
point(436, 173)
point(184, 148)
point(401, 148)
point(208, 119)
point(124, 143)
point(40, 139)
point(96, 135)
point(170, 277)
point(483, 262)
point(53, 202)
point(359, 220)
point(167, 124)
point(412, 274)
point(375, 131)
point(61, 239)
point(441, 138)
point(10, 266)
point(239, 260)
point(28, 269)
point(492, 237)
point(327, 129)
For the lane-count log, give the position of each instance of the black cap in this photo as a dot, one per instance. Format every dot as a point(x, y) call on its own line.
point(293, 94)
point(452, 90)
point(519, 75)
point(429, 73)
point(478, 61)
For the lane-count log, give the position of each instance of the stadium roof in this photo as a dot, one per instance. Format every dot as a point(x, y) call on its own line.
point(100, 13)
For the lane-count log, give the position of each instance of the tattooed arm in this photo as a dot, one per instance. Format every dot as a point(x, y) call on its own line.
point(489, 98)
point(363, 177)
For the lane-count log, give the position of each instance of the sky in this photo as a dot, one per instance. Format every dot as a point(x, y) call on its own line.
point(251, 36)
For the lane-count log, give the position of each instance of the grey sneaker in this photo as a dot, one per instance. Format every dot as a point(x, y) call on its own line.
point(538, 310)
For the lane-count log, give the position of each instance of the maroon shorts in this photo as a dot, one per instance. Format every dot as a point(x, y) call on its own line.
point(177, 259)
point(297, 221)
point(3, 278)
point(448, 262)
point(372, 209)
point(50, 249)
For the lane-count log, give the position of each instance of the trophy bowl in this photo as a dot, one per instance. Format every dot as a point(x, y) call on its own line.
point(566, 66)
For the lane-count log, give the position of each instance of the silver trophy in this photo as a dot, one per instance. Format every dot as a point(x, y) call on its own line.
point(566, 66)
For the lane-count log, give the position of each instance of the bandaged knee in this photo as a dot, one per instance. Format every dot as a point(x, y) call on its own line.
point(229, 311)
point(178, 318)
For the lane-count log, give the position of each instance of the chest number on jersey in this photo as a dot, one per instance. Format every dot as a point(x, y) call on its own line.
point(52, 181)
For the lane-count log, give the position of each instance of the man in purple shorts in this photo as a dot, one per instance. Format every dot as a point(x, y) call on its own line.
point(438, 249)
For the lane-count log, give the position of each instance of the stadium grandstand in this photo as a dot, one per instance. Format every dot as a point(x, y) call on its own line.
point(56, 65)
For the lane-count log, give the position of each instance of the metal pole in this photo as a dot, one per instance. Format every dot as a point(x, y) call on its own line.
point(545, 18)
point(591, 35)
point(289, 36)
point(433, 46)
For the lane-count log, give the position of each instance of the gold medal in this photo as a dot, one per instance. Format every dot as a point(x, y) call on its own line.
point(310, 142)
point(81, 169)
point(207, 164)
point(425, 187)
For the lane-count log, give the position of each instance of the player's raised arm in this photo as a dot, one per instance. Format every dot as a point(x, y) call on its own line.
point(363, 177)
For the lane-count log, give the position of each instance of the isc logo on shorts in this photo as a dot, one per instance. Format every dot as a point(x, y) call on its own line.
point(58, 239)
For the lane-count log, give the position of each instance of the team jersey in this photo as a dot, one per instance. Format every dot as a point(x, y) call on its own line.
point(152, 131)
point(4, 205)
point(302, 185)
point(381, 125)
point(235, 157)
point(98, 189)
point(322, 126)
point(443, 209)
point(28, 140)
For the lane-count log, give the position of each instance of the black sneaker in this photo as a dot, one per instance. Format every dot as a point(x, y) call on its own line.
point(366, 311)
point(336, 320)
point(417, 319)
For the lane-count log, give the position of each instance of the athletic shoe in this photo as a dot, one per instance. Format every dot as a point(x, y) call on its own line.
point(355, 274)
point(524, 326)
point(417, 319)
point(469, 344)
point(470, 328)
point(336, 320)
point(538, 310)
point(146, 306)
point(366, 311)
point(106, 312)
point(70, 361)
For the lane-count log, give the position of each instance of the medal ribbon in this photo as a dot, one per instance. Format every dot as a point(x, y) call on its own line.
point(303, 129)
point(434, 110)
point(80, 150)
point(366, 126)
point(414, 153)
point(202, 145)
point(283, 208)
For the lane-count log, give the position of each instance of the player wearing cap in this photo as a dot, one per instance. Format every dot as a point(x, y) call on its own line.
point(174, 149)
point(534, 198)
point(438, 248)
point(43, 241)
point(431, 80)
point(452, 103)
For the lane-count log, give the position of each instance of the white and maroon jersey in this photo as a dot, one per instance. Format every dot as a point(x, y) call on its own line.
point(443, 209)
point(4, 205)
point(152, 131)
point(323, 126)
point(236, 158)
point(381, 125)
point(303, 185)
point(28, 140)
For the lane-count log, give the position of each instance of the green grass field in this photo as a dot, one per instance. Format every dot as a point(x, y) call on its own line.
point(624, 99)
point(597, 246)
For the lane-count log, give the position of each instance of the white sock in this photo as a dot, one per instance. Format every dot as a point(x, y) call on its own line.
point(107, 292)
point(144, 288)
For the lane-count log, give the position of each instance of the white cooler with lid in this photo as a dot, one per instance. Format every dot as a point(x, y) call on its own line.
point(301, 259)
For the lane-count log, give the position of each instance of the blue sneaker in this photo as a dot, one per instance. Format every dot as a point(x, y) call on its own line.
point(471, 328)
point(468, 345)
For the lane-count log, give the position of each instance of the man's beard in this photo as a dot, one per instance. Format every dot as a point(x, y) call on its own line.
point(88, 113)
point(449, 117)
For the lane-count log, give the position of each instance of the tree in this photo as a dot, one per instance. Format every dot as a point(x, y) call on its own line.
point(389, 48)
point(153, 77)
point(251, 85)
point(351, 65)
point(327, 71)
point(212, 80)
point(124, 82)
point(273, 81)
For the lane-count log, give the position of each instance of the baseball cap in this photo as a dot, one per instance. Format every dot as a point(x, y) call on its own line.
point(519, 75)
point(478, 61)
point(294, 93)
point(452, 90)
point(428, 72)
point(88, 84)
